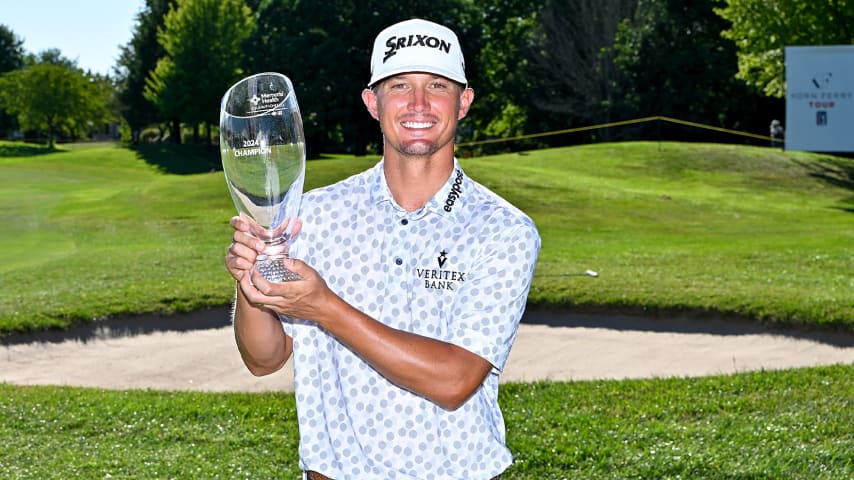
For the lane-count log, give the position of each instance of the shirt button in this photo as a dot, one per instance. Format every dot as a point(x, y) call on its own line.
point(398, 261)
point(404, 222)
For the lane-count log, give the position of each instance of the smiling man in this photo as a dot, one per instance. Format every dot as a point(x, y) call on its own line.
point(414, 279)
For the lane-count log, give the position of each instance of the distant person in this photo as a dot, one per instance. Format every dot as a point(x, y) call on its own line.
point(414, 279)
point(777, 133)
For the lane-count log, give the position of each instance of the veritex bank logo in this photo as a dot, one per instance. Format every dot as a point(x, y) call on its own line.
point(440, 278)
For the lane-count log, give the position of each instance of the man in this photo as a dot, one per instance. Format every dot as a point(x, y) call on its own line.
point(777, 133)
point(414, 279)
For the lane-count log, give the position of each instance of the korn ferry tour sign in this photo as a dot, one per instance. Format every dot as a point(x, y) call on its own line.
point(820, 98)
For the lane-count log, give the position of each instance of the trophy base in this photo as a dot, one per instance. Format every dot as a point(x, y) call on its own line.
point(272, 269)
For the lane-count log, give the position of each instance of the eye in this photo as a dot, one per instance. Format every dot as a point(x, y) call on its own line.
point(439, 85)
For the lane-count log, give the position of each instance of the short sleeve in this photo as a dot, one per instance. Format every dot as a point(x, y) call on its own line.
point(490, 304)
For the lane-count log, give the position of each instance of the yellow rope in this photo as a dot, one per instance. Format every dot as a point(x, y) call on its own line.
point(615, 124)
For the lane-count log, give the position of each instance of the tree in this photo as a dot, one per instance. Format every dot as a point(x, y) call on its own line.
point(309, 43)
point(106, 109)
point(11, 58)
point(203, 42)
point(325, 46)
point(498, 39)
point(137, 59)
point(51, 98)
point(672, 61)
point(762, 28)
point(51, 56)
point(574, 61)
point(11, 50)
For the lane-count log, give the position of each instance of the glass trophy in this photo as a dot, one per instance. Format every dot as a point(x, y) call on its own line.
point(263, 156)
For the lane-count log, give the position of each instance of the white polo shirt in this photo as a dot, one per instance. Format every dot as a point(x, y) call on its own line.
point(457, 270)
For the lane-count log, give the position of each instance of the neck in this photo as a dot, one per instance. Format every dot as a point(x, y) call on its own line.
point(414, 180)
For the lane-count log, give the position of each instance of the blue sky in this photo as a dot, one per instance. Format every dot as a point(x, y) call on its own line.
point(88, 31)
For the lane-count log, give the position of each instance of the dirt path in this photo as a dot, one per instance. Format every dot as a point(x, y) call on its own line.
point(197, 352)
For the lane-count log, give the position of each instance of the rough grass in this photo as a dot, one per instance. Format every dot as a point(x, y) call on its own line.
point(796, 424)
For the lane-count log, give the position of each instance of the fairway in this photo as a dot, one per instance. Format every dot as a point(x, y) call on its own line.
point(701, 229)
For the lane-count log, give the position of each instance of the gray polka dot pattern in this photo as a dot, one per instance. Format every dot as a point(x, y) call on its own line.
point(458, 270)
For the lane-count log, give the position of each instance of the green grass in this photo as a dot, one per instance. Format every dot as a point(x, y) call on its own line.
point(780, 425)
point(796, 424)
point(97, 230)
point(748, 232)
point(93, 231)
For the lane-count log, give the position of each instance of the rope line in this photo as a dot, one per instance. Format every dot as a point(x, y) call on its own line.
point(617, 124)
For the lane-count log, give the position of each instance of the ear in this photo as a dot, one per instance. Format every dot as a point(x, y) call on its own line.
point(466, 98)
point(369, 97)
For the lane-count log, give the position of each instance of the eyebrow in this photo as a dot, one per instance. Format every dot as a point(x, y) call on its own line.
point(433, 76)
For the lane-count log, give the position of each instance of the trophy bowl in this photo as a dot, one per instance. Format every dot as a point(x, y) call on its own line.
point(262, 146)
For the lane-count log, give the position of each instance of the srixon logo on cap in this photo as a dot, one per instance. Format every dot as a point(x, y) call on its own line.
point(396, 43)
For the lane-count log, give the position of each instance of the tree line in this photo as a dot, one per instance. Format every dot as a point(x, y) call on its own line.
point(535, 66)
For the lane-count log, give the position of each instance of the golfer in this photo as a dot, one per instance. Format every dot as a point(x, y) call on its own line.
point(414, 279)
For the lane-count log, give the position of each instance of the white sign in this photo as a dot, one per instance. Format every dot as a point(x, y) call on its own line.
point(820, 98)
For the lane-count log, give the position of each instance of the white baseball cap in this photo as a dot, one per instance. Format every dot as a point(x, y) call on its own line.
point(417, 46)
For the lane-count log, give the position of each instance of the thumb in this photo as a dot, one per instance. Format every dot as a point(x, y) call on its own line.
point(297, 266)
point(292, 264)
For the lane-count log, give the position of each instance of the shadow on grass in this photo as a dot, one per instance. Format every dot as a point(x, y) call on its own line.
point(189, 159)
point(847, 205)
point(219, 317)
point(179, 159)
point(680, 323)
point(24, 149)
point(838, 174)
point(128, 326)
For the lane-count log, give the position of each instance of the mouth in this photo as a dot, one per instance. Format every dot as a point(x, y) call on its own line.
point(417, 125)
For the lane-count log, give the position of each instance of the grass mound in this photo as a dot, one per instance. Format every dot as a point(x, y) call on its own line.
point(99, 230)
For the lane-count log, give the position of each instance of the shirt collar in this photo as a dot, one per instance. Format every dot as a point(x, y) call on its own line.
point(448, 201)
point(378, 186)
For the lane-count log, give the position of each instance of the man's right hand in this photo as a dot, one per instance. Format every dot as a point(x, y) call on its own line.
point(244, 248)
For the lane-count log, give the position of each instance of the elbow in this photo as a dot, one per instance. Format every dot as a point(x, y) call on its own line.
point(457, 388)
point(454, 396)
point(261, 369)
point(450, 404)
point(263, 362)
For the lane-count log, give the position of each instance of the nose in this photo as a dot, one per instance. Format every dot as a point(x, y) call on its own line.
point(418, 100)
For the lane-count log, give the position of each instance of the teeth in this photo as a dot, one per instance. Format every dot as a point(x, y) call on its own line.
point(417, 124)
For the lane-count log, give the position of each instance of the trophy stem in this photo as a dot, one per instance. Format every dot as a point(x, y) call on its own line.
point(273, 269)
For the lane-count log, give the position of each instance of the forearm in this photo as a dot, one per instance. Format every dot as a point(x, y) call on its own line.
point(262, 342)
point(439, 371)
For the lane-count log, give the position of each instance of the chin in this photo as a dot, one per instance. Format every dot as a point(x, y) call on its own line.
point(419, 148)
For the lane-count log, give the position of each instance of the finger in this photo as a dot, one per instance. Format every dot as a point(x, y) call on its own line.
point(255, 297)
point(297, 266)
point(237, 263)
point(297, 226)
point(252, 295)
point(249, 241)
point(261, 284)
point(249, 251)
point(237, 223)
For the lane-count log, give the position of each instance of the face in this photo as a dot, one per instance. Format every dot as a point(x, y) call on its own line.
point(418, 112)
